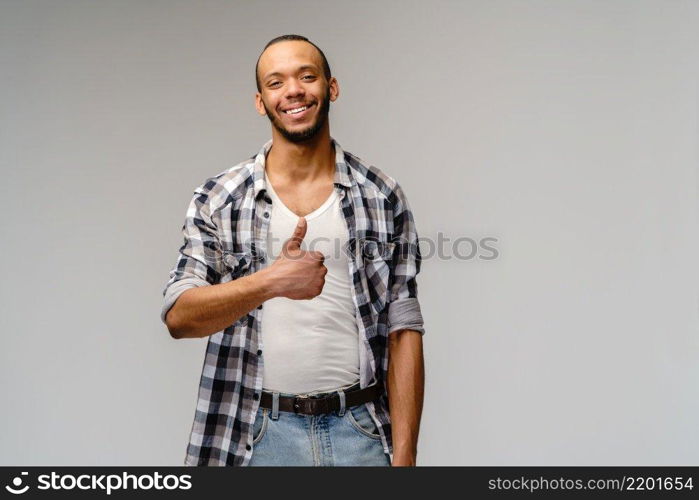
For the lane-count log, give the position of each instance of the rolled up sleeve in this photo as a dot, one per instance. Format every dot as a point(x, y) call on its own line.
point(404, 308)
point(200, 256)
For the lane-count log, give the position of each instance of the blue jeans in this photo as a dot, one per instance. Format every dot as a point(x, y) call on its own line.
point(340, 438)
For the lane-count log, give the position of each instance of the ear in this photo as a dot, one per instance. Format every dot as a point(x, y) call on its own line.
point(334, 89)
point(259, 104)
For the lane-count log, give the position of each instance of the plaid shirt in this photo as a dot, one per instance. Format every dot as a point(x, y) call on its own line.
point(225, 235)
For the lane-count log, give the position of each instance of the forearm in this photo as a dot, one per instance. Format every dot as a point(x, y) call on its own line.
point(406, 381)
point(201, 311)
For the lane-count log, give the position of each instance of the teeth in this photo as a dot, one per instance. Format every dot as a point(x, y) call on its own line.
point(294, 111)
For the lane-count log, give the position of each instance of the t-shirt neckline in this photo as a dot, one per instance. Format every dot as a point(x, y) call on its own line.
point(315, 213)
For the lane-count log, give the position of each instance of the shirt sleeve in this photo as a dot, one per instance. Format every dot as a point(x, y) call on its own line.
point(404, 308)
point(200, 256)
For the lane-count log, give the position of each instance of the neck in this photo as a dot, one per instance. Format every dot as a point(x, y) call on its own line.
point(307, 162)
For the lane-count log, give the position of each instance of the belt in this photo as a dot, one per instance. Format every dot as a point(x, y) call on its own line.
point(312, 405)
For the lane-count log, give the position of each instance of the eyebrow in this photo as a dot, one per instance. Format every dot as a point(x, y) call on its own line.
point(301, 68)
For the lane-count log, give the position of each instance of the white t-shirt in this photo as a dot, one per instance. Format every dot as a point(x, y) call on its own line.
point(311, 345)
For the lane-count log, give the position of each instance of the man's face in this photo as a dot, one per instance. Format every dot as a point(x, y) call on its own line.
point(294, 94)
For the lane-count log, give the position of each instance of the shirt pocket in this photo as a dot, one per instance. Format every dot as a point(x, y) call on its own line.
point(377, 258)
point(236, 264)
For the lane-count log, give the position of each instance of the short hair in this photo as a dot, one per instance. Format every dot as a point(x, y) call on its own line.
point(284, 38)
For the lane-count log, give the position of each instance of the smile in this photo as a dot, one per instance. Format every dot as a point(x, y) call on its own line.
point(294, 111)
point(297, 111)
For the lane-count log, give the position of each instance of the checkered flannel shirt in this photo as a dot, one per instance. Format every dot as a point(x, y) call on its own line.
point(225, 235)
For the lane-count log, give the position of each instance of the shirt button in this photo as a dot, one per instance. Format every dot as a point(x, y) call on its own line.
point(266, 214)
point(248, 447)
point(262, 260)
point(256, 397)
point(259, 352)
point(260, 306)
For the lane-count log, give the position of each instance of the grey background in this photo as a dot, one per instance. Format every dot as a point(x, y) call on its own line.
point(566, 130)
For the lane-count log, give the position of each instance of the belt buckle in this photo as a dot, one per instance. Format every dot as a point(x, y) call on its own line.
point(296, 404)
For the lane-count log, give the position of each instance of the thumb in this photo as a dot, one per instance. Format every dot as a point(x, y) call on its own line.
point(294, 243)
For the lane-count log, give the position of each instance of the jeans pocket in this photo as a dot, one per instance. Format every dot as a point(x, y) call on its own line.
point(259, 428)
point(361, 420)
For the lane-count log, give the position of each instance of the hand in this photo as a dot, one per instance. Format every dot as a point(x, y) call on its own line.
point(403, 459)
point(298, 274)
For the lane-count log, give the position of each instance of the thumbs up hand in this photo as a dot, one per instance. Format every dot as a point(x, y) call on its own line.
point(298, 274)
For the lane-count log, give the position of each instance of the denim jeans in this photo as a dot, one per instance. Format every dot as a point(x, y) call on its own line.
point(340, 438)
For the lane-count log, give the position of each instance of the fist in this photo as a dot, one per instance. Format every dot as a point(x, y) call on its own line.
point(299, 274)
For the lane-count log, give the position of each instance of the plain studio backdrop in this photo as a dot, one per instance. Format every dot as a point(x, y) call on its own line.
point(566, 131)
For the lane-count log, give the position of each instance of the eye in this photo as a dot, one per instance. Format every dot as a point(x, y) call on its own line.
point(308, 76)
point(272, 84)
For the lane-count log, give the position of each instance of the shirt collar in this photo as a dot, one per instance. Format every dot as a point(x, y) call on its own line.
point(342, 175)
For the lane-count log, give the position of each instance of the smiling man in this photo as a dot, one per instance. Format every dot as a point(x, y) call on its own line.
point(300, 266)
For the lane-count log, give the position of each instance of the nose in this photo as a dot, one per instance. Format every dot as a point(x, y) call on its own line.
point(294, 89)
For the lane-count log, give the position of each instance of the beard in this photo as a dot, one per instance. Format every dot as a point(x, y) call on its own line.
point(309, 133)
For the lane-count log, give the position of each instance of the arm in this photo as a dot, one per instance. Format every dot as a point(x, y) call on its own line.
point(406, 328)
point(406, 381)
point(201, 311)
point(197, 304)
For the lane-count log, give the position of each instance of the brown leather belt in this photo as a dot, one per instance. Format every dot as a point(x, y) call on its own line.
point(318, 405)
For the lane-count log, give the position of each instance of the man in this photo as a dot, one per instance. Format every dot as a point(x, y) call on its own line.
point(341, 379)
